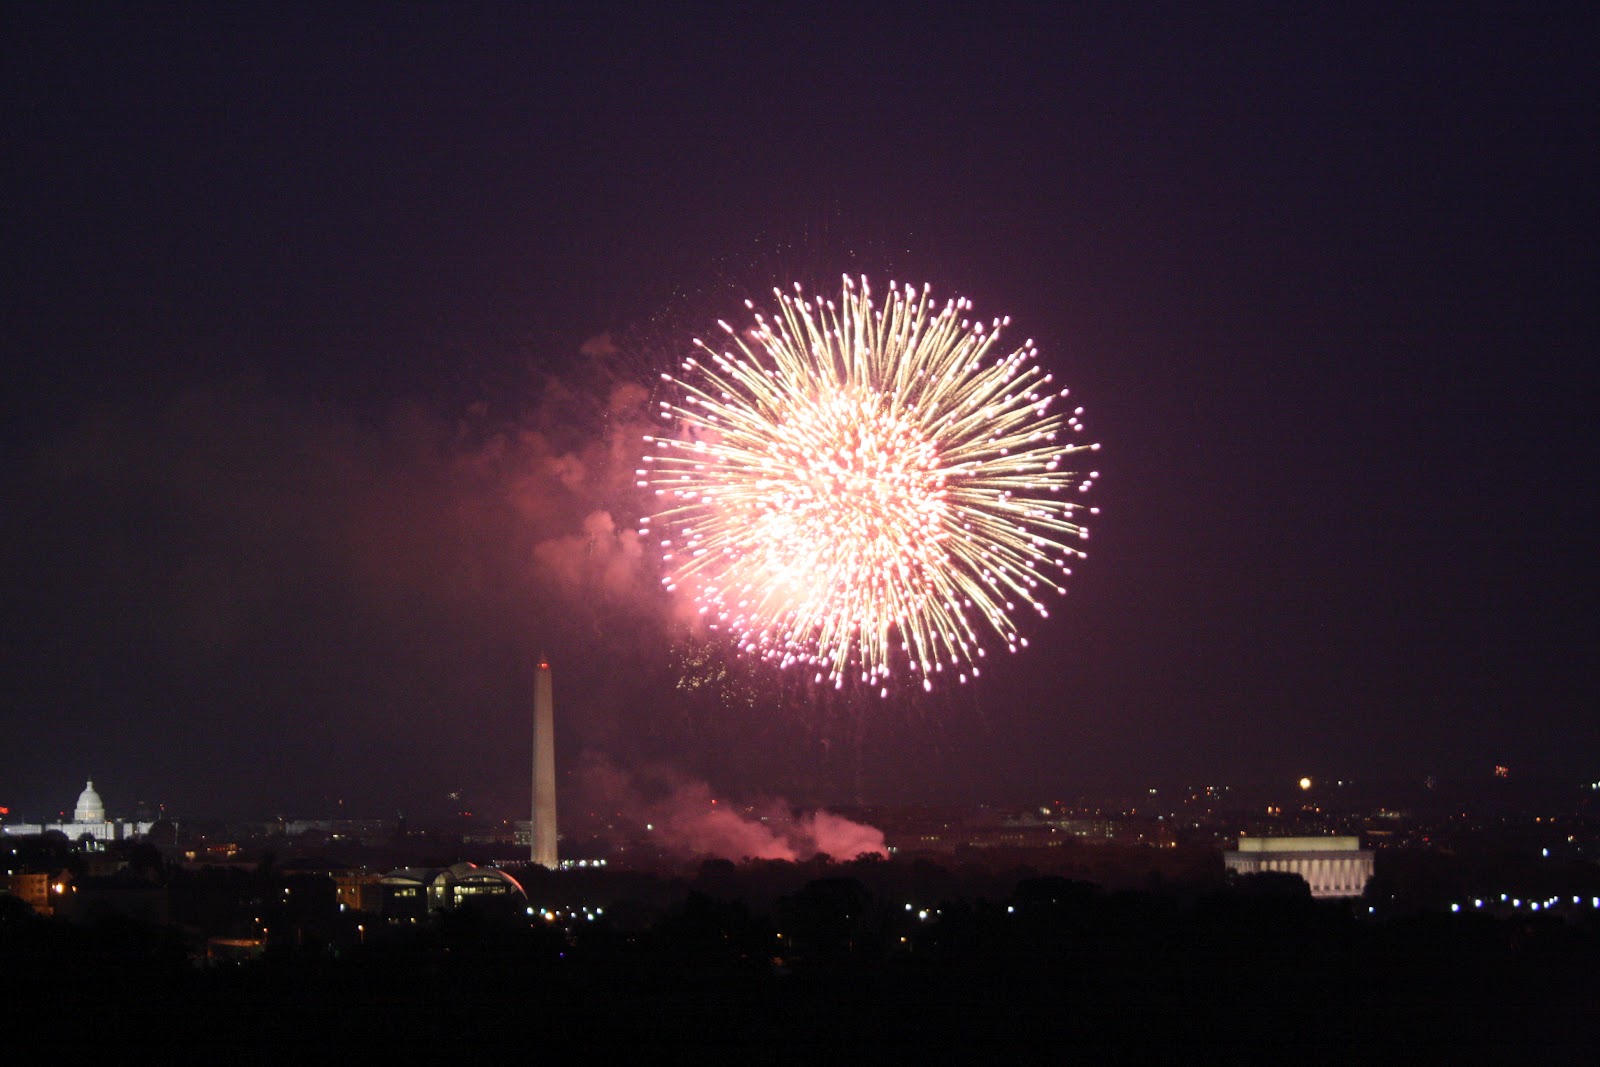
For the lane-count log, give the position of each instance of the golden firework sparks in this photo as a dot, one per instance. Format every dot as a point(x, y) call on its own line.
point(861, 490)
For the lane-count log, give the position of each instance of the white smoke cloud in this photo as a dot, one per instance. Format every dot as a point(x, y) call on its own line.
point(690, 821)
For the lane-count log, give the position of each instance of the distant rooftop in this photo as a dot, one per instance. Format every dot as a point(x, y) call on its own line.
point(1299, 844)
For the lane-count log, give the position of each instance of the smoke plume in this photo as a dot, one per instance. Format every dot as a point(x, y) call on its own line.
point(686, 819)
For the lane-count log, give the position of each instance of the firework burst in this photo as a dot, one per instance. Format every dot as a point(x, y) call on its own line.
point(863, 491)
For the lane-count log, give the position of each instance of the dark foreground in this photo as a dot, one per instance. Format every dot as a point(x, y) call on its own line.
point(1060, 970)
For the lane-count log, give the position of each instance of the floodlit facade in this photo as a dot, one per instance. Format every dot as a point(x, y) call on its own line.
point(89, 822)
point(543, 829)
point(1333, 866)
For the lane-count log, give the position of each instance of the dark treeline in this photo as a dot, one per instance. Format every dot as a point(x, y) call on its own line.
point(783, 962)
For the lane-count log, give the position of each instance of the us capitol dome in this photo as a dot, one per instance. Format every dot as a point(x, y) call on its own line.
point(90, 807)
point(89, 825)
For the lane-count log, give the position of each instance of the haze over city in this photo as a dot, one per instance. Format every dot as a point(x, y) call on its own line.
point(332, 337)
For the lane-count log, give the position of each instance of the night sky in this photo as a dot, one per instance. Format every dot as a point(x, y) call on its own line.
point(328, 335)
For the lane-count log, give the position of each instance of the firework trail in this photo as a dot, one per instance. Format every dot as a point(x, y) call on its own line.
point(862, 491)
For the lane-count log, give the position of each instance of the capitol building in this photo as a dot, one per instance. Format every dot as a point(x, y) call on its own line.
point(89, 823)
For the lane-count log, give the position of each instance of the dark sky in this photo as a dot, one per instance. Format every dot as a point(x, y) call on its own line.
point(327, 333)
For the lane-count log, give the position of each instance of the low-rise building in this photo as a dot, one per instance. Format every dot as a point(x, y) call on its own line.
point(414, 893)
point(1332, 866)
point(30, 887)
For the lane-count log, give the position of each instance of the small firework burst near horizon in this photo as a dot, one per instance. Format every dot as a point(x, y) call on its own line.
point(864, 491)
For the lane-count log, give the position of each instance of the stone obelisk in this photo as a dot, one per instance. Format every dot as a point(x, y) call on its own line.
point(543, 829)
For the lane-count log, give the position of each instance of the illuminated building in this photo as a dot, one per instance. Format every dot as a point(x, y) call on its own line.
point(1332, 866)
point(89, 823)
point(358, 890)
point(543, 830)
point(30, 887)
point(412, 894)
